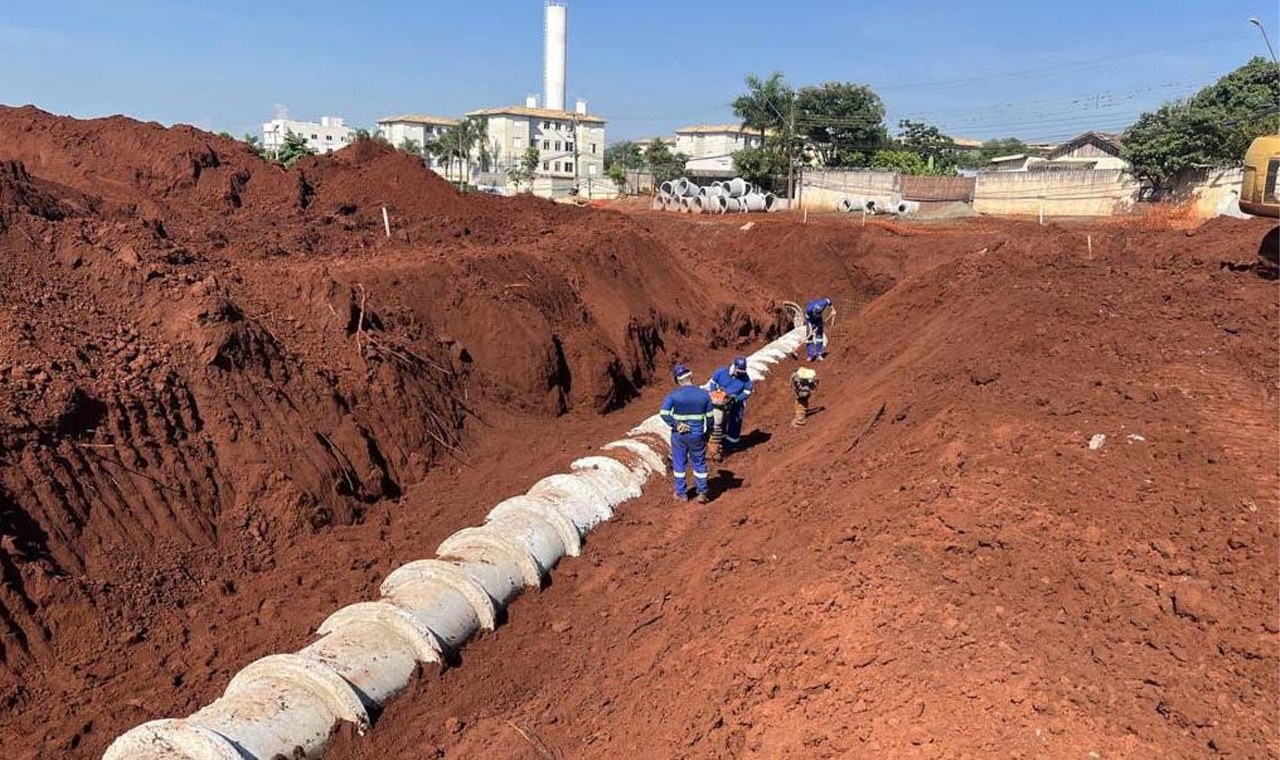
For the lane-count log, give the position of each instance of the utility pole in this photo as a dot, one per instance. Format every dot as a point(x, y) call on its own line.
point(791, 161)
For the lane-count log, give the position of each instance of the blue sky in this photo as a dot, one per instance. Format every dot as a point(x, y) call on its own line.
point(1042, 71)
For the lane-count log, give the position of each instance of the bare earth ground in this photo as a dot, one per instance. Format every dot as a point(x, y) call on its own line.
point(937, 566)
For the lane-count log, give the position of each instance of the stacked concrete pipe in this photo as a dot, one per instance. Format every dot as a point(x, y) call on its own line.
point(288, 705)
point(732, 196)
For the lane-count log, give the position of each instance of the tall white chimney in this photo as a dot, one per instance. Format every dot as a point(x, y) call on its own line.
point(553, 74)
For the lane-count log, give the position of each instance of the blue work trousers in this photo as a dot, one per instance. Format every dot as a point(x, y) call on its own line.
point(688, 450)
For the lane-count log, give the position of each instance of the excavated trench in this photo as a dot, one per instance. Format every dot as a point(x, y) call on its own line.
point(230, 407)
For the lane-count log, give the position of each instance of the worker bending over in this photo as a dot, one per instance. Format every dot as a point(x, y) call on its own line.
point(804, 381)
point(736, 384)
point(687, 409)
point(815, 337)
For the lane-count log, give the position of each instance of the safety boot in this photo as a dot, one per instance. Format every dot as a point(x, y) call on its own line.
point(702, 499)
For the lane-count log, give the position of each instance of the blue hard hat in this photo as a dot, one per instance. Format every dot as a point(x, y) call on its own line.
point(680, 372)
point(739, 364)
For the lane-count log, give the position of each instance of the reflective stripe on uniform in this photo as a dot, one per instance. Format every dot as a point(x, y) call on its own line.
point(685, 417)
point(732, 440)
point(679, 474)
point(699, 475)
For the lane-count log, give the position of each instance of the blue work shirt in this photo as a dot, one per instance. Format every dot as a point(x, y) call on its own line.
point(815, 310)
point(691, 405)
point(738, 387)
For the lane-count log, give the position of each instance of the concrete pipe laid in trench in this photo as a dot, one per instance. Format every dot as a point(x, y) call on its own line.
point(737, 187)
point(288, 705)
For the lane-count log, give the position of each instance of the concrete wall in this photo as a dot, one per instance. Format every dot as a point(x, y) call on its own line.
point(823, 189)
point(1208, 189)
point(1058, 193)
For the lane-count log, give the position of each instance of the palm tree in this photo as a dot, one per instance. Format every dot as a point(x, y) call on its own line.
point(467, 139)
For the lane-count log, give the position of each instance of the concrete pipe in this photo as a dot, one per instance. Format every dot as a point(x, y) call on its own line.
point(575, 497)
point(285, 705)
point(651, 461)
point(657, 204)
point(288, 705)
point(701, 205)
point(171, 739)
point(754, 202)
point(737, 187)
point(653, 426)
point(732, 205)
point(666, 189)
point(535, 534)
point(376, 647)
point(770, 202)
point(909, 207)
point(445, 612)
point(450, 575)
point(570, 536)
point(612, 478)
point(497, 547)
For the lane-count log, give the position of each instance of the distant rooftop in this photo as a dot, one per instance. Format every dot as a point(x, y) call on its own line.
point(704, 129)
point(442, 121)
point(537, 113)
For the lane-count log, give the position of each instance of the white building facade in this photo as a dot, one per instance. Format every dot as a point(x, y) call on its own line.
point(710, 147)
point(325, 137)
point(421, 129)
point(570, 144)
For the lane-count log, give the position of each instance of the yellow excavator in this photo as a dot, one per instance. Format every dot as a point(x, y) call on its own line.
point(1258, 191)
point(1258, 196)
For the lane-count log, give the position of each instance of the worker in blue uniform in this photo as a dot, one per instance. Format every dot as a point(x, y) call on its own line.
point(687, 409)
point(736, 384)
point(815, 338)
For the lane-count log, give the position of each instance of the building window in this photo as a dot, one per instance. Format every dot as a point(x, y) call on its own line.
point(545, 166)
point(593, 147)
point(328, 138)
point(557, 145)
point(315, 137)
point(568, 146)
point(546, 145)
point(546, 125)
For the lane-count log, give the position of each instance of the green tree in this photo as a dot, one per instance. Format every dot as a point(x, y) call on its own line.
point(626, 153)
point(293, 148)
point(252, 141)
point(409, 145)
point(768, 106)
point(465, 141)
point(1211, 128)
point(842, 122)
point(900, 161)
point(226, 135)
point(927, 141)
point(1003, 146)
point(664, 164)
point(618, 173)
point(523, 171)
point(762, 165)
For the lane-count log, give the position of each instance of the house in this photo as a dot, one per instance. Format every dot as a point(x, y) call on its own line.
point(1091, 150)
point(420, 128)
point(570, 143)
point(327, 136)
point(1017, 162)
point(710, 147)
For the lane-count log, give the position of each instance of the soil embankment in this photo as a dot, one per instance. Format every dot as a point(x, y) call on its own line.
point(232, 405)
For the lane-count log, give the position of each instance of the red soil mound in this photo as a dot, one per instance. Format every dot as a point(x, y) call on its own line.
point(229, 406)
point(205, 357)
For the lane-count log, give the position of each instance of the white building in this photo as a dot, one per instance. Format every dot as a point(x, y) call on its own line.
point(1091, 150)
point(327, 136)
point(710, 147)
point(570, 143)
point(420, 128)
